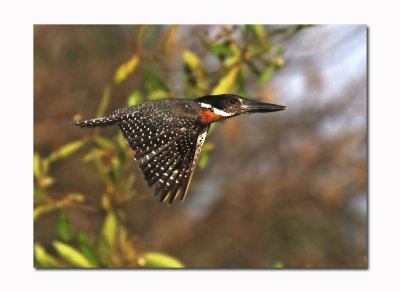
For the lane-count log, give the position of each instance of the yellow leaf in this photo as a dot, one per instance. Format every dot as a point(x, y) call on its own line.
point(192, 60)
point(91, 155)
point(225, 85)
point(76, 197)
point(43, 258)
point(197, 68)
point(72, 255)
point(105, 202)
point(159, 260)
point(158, 94)
point(46, 181)
point(66, 150)
point(45, 166)
point(235, 49)
point(110, 229)
point(260, 32)
point(126, 246)
point(42, 209)
point(36, 165)
point(230, 62)
point(126, 69)
point(208, 146)
point(235, 58)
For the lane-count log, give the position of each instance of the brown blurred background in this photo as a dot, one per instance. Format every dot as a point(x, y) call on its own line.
point(283, 189)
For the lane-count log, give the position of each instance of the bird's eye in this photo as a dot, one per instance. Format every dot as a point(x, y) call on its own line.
point(233, 101)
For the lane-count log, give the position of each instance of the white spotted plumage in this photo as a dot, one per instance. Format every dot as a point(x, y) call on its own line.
point(166, 144)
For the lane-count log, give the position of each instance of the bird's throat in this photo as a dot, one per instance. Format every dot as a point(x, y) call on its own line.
point(208, 117)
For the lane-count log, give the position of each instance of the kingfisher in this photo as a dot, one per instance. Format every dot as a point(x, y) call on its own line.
point(167, 135)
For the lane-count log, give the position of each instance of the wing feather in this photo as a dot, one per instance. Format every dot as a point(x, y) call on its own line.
point(199, 145)
point(167, 155)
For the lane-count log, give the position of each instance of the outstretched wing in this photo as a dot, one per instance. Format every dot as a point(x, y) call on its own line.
point(167, 154)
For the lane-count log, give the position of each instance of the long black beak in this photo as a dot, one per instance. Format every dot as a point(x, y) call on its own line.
point(251, 106)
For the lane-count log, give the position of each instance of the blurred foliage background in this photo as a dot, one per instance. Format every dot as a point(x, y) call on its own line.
point(271, 191)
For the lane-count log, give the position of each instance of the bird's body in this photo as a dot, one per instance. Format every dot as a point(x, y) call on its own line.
point(167, 135)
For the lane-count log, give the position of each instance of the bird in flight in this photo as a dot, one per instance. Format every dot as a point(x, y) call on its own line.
point(167, 135)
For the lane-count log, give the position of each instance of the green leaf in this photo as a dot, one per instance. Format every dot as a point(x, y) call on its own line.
point(243, 93)
point(66, 150)
point(254, 50)
point(106, 143)
point(135, 98)
point(103, 251)
point(116, 168)
point(126, 69)
point(203, 159)
point(153, 82)
point(278, 265)
point(122, 147)
point(208, 146)
point(205, 153)
point(159, 260)
point(45, 166)
point(212, 127)
point(37, 193)
point(43, 258)
point(72, 255)
point(221, 49)
point(87, 250)
point(110, 229)
point(64, 228)
point(265, 75)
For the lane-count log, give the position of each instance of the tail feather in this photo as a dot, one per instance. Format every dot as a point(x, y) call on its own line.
point(100, 122)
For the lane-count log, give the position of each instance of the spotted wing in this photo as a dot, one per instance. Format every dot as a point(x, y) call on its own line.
point(167, 155)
